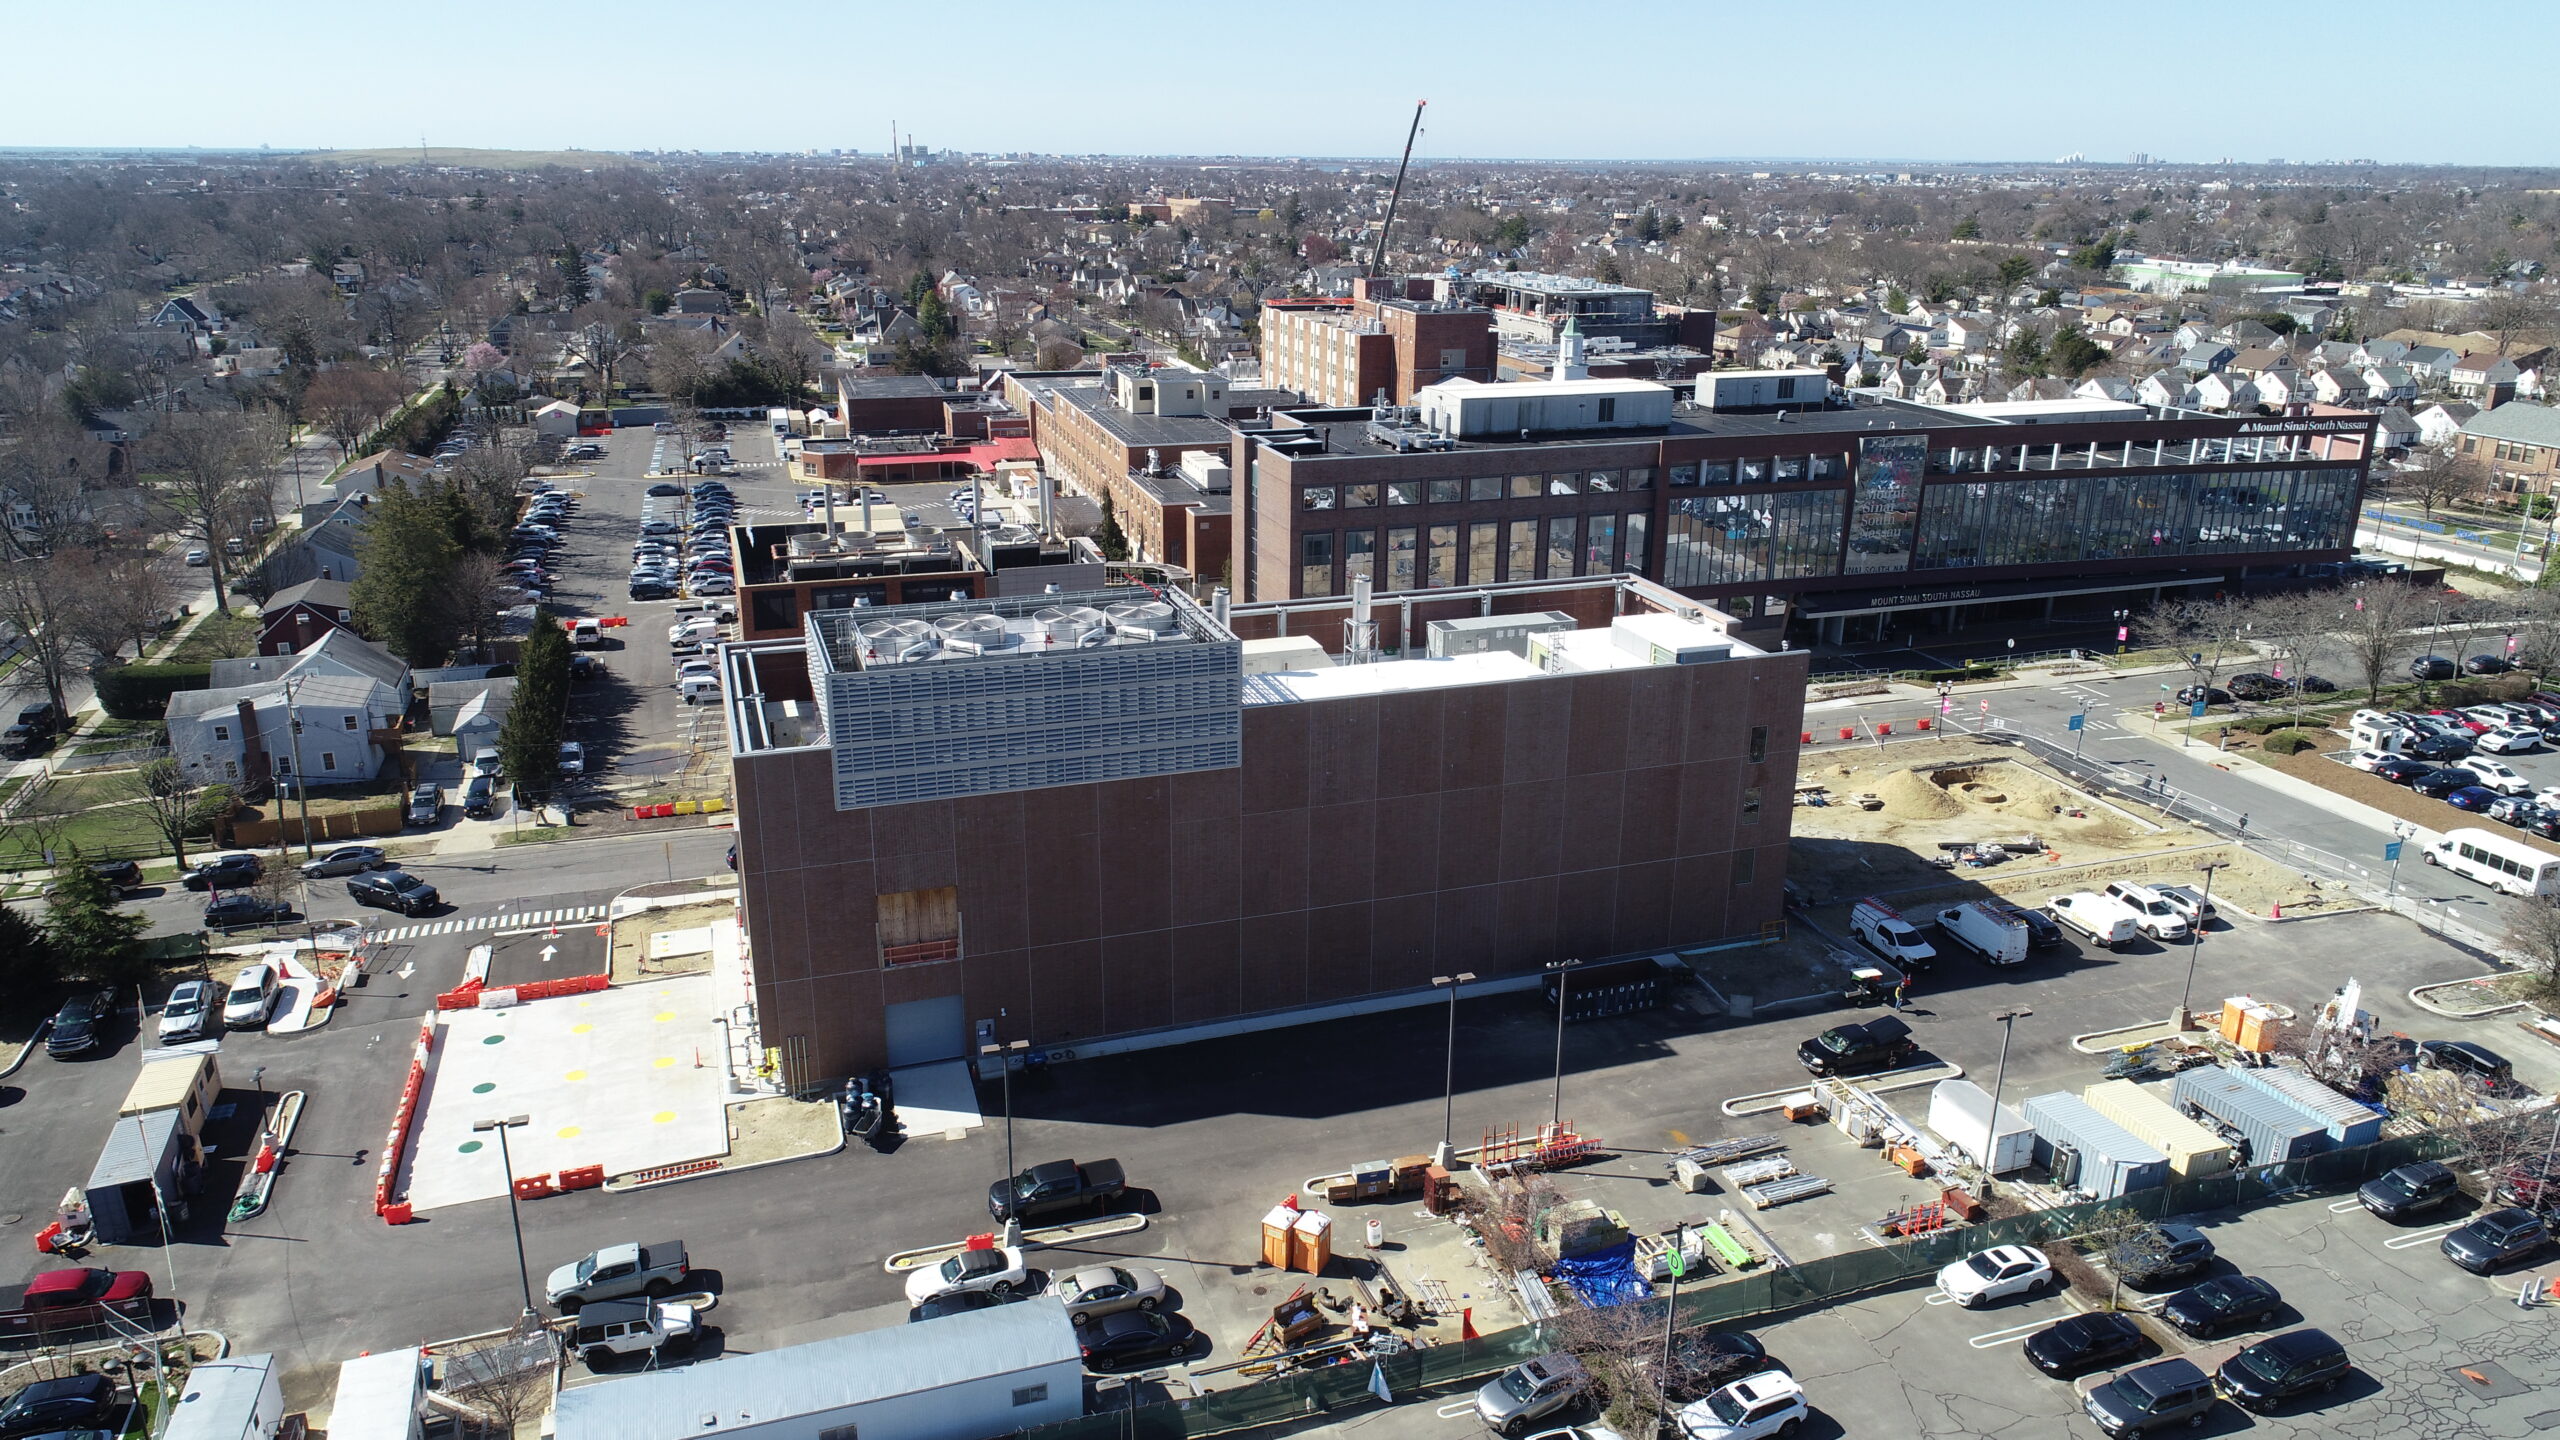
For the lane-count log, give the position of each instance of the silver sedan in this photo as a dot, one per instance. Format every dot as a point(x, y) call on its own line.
point(346, 860)
point(1104, 1289)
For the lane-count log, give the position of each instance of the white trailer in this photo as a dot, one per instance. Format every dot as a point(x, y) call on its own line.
point(1960, 1112)
point(235, 1399)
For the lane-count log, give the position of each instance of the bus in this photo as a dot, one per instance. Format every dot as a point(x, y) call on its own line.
point(2497, 861)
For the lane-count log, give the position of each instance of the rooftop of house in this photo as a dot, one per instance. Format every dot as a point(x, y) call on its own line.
point(2517, 421)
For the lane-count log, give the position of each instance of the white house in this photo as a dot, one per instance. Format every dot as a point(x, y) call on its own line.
point(341, 687)
point(2440, 424)
point(559, 420)
point(2223, 393)
point(2164, 388)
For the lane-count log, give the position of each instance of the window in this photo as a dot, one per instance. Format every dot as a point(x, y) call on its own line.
point(1521, 559)
point(1484, 541)
point(1559, 561)
point(1359, 557)
point(1404, 492)
point(1638, 535)
point(1751, 805)
point(1790, 467)
point(1600, 545)
point(1527, 487)
point(1400, 557)
point(1448, 492)
point(221, 732)
point(1684, 474)
point(1440, 565)
point(1608, 407)
point(230, 769)
point(1715, 472)
point(1745, 866)
point(1759, 743)
point(328, 759)
point(841, 1432)
point(1485, 487)
point(284, 764)
point(1786, 389)
point(1022, 1395)
point(1604, 482)
point(1359, 497)
point(1315, 563)
point(1316, 497)
point(1567, 483)
point(351, 722)
point(1640, 478)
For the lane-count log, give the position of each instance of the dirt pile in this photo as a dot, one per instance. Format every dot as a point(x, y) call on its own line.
point(1908, 795)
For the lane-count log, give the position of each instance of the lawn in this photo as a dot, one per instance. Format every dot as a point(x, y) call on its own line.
point(217, 637)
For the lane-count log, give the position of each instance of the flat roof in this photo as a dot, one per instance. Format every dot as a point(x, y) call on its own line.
point(1575, 652)
point(1004, 628)
point(743, 1391)
point(1156, 430)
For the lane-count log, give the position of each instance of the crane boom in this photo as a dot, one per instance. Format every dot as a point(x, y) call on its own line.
point(1378, 256)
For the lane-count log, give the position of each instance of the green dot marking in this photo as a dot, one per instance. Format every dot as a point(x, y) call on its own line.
point(492, 1039)
point(470, 1145)
point(484, 1087)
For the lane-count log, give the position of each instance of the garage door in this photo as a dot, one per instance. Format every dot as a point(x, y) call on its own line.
point(922, 1031)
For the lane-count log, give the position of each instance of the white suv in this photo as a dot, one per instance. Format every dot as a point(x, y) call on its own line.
point(2495, 774)
point(2151, 910)
point(1769, 1403)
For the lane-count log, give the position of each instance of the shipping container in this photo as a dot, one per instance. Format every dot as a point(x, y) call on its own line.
point(2348, 1122)
point(2267, 1132)
point(2085, 1151)
point(2195, 1153)
point(1958, 1111)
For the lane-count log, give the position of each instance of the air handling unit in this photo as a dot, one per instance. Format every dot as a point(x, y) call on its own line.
point(1478, 634)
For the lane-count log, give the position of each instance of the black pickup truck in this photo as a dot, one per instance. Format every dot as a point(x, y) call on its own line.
point(1057, 1186)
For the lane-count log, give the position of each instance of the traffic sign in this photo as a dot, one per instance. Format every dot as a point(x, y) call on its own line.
point(2077, 720)
point(2391, 851)
point(2196, 710)
point(2123, 633)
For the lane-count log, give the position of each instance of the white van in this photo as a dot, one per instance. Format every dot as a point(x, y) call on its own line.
point(251, 998)
point(2152, 911)
point(586, 634)
point(2488, 858)
point(699, 689)
point(1997, 938)
point(2106, 923)
point(1882, 929)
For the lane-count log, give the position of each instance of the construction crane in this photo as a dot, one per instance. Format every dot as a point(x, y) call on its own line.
point(1378, 256)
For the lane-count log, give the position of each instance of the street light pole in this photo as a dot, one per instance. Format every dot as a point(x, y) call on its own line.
point(1999, 1073)
point(2195, 944)
point(507, 1165)
point(1004, 1056)
point(1449, 1064)
point(1563, 971)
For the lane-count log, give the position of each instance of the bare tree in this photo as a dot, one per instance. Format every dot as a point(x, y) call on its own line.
point(37, 598)
point(212, 466)
point(509, 1398)
point(482, 593)
point(2372, 623)
point(2531, 936)
point(604, 339)
point(2126, 1244)
point(112, 601)
point(171, 795)
point(2438, 477)
point(347, 401)
point(2209, 633)
point(2294, 629)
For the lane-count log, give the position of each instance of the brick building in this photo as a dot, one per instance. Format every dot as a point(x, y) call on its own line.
point(1125, 436)
point(1395, 335)
point(1080, 811)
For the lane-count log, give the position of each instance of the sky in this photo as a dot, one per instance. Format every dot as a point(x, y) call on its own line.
point(1938, 80)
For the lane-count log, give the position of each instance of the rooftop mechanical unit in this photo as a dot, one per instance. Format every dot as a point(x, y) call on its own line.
point(1072, 624)
point(1141, 617)
point(898, 639)
point(1479, 634)
point(972, 634)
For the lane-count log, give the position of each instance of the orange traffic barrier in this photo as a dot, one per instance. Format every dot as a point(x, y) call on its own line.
point(584, 1177)
point(398, 1212)
point(534, 1187)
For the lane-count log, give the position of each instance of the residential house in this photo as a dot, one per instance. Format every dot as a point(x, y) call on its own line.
point(702, 302)
point(326, 547)
point(2340, 386)
point(2225, 394)
point(371, 474)
point(2397, 433)
point(333, 705)
point(2381, 352)
point(452, 704)
point(2431, 364)
point(299, 615)
point(2279, 388)
point(2205, 357)
point(189, 313)
point(2165, 388)
point(2488, 380)
point(2107, 387)
point(2389, 385)
point(2519, 442)
point(2441, 425)
point(2248, 334)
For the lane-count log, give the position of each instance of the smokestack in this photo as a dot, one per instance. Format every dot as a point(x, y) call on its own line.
point(1218, 601)
point(1359, 633)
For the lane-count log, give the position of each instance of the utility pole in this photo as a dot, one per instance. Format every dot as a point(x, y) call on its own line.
point(2195, 942)
point(1449, 1064)
point(1563, 970)
point(1991, 1128)
point(1378, 256)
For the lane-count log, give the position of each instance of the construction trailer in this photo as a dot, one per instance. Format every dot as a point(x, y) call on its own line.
point(240, 1398)
point(2084, 1150)
point(2348, 1122)
point(2266, 1130)
point(1960, 1112)
point(2195, 1153)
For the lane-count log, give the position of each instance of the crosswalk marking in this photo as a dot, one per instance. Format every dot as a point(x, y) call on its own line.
point(522, 918)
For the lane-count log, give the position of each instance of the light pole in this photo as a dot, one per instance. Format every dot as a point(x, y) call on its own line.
point(1563, 971)
point(1004, 1055)
point(2195, 943)
point(1678, 1260)
point(1449, 1063)
point(1991, 1128)
point(507, 1165)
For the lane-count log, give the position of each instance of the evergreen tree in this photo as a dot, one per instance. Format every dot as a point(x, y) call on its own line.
point(86, 931)
point(529, 739)
point(1112, 541)
point(28, 959)
point(402, 596)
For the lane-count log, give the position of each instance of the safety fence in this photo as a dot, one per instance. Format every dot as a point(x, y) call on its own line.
point(1354, 1384)
point(476, 994)
point(386, 1177)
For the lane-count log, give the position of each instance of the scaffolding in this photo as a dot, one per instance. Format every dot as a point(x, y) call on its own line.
point(1550, 1147)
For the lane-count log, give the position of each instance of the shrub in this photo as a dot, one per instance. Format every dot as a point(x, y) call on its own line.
point(141, 692)
point(2287, 742)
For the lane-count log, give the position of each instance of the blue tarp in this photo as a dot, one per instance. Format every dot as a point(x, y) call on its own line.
point(1606, 1277)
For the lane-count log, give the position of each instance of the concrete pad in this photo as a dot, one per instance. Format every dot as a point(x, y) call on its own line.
point(609, 1079)
point(937, 1099)
point(667, 944)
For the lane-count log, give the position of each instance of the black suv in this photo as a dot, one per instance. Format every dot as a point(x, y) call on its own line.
point(480, 797)
point(394, 890)
point(2250, 685)
point(2498, 1238)
point(224, 872)
point(2042, 932)
point(2431, 667)
point(2219, 1305)
point(2083, 1343)
point(36, 727)
point(224, 912)
point(1879, 1044)
point(426, 804)
point(2409, 1190)
point(2294, 1363)
point(77, 1025)
point(2172, 1392)
point(75, 1402)
point(2464, 1058)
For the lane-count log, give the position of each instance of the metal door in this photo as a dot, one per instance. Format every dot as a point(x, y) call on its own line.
point(922, 1031)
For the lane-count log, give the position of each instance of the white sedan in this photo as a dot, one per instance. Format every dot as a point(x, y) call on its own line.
point(998, 1270)
point(2369, 760)
point(1996, 1274)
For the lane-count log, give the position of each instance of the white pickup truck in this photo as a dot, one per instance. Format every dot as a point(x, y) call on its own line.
point(2106, 922)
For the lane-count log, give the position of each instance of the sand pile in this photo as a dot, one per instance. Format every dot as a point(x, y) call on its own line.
point(1909, 796)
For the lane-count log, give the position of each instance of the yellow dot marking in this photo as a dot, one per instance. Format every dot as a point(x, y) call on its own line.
point(570, 1132)
point(663, 1061)
point(664, 1117)
point(665, 1015)
point(580, 1029)
point(574, 1076)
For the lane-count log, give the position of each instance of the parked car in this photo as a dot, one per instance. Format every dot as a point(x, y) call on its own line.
point(628, 1268)
point(480, 797)
point(2438, 784)
point(79, 1026)
point(998, 1269)
point(2440, 746)
point(2402, 772)
point(957, 1302)
point(2367, 761)
point(2152, 911)
point(187, 1012)
point(1530, 1391)
point(251, 998)
point(1769, 1403)
point(1878, 1044)
point(2042, 932)
point(2251, 685)
point(394, 890)
point(1098, 1290)
point(123, 877)
point(2106, 923)
point(2487, 665)
point(2410, 1190)
point(2189, 902)
point(2276, 1369)
point(2498, 1238)
point(2431, 667)
point(664, 488)
point(2169, 1254)
point(238, 908)
point(1058, 1187)
point(2220, 1305)
point(224, 872)
point(2472, 798)
point(2496, 775)
point(2084, 1343)
point(74, 1402)
point(346, 860)
point(1132, 1339)
point(573, 758)
point(610, 1329)
point(1996, 1274)
point(56, 1300)
point(2209, 694)
point(2170, 1392)
point(2468, 1058)
point(426, 804)
point(198, 557)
